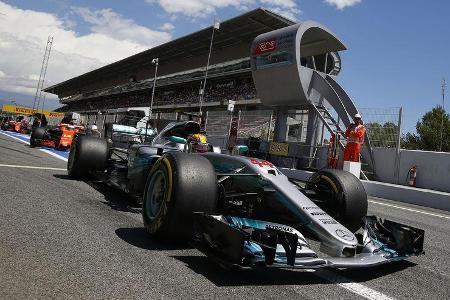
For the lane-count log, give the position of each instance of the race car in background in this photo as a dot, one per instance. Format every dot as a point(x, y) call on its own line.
point(242, 211)
point(4, 121)
point(18, 124)
point(60, 136)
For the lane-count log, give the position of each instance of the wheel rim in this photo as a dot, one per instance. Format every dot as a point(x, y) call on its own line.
point(156, 194)
point(329, 198)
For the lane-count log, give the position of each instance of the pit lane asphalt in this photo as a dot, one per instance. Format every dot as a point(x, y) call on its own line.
point(61, 238)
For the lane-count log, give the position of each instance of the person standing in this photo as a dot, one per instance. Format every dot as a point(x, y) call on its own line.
point(355, 139)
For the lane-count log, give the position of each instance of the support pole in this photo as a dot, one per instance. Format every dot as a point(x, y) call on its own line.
point(155, 62)
point(202, 91)
point(443, 112)
point(40, 84)
point(43, 103)
point(45, 69)
point(397, 157)
point(270, 127)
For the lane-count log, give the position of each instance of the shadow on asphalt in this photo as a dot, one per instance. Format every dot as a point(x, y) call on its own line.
point(113, 197)
point(221, 277)
point(62, 176)
point(139, 237)
point(366, 274)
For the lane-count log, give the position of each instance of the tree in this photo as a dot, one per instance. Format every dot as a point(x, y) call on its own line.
point(428, 135)
point(382, 135)
point(411, 141)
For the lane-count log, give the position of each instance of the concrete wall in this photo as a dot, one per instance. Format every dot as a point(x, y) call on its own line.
point(417, 196)
point(385, 164)
point(433, 168)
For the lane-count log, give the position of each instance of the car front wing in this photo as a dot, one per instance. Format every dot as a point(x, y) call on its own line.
point(235, 242)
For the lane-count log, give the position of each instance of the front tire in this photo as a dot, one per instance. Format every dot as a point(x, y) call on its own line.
point(178, 185)
point(341, 195)
point(87, 154)
point(36, 136)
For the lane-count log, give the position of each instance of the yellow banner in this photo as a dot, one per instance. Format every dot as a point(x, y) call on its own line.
point(279, 149)
point(28, 111)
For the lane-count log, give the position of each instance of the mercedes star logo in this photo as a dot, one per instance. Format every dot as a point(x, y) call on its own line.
point(345, 235)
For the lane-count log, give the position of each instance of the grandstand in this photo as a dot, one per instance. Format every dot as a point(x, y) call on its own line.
point(128, 82)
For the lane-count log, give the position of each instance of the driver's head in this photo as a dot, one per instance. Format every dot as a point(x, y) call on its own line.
point(198, 137)
point(199, 143)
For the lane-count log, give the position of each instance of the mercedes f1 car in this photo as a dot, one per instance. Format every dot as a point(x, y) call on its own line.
point(242, 211)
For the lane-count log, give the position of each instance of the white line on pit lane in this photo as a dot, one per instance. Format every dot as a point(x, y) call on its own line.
point(353, 287)
point(32, 167)
point(53, 154)
point(410, 209)
point(43, 150)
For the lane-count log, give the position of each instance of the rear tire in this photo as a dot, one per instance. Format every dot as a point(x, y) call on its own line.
point(87, 154)
point(36, 136)
point(178, 185)
point(341, 195)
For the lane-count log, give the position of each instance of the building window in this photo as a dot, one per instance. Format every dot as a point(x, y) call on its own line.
point(274, 59)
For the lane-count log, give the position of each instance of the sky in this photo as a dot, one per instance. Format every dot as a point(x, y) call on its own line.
point(398, 51)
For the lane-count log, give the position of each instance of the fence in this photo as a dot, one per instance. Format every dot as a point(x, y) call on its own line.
point(382, 126)
point(218, 127)
point(257, 124)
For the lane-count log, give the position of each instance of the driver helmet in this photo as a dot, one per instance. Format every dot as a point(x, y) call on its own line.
point(199, 143)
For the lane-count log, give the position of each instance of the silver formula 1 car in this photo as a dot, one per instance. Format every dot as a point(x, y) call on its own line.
point(242, 211)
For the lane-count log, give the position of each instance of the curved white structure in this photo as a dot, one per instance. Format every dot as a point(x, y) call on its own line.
point(297, 66)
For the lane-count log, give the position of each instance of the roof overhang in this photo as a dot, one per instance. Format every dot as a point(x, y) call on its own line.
point(239, 30)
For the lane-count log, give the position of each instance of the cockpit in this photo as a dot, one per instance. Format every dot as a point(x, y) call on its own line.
point(186, 136)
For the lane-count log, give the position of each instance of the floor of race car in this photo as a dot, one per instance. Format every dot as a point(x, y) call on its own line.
point(64, 238)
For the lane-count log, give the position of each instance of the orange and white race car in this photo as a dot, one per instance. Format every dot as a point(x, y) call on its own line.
point(19, 124)
point(59, 137)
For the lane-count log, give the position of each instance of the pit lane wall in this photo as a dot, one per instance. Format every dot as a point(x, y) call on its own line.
point(417, 196)
point(433, 168)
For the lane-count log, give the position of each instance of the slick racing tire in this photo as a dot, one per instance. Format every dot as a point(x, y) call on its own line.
point(178, 185)
point(341, 195)
point(87, 154)
point(36, 136)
